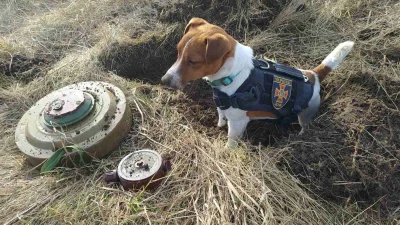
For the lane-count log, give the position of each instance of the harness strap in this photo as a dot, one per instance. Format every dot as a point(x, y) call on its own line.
point(297, 107)
point(269, 65)
point(237, 100)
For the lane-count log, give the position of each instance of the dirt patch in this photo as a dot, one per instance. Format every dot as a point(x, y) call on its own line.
point(145, 59)
point(237, 17)
point(351, 154)
point(199, 109)
point(22, 67)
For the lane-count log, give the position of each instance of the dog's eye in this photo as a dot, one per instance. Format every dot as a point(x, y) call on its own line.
point(191, 62)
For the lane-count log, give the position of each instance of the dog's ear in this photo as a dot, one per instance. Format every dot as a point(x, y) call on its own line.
point(194, 22)
point(217, 45)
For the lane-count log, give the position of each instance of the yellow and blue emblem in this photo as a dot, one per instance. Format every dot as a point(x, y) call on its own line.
point(281, 89)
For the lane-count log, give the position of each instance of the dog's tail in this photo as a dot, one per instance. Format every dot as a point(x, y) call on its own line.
point(332, 61)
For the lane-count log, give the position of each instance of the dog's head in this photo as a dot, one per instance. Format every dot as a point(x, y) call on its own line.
point(202, 51)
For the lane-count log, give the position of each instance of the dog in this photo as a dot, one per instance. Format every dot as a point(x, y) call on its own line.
point(207, 52)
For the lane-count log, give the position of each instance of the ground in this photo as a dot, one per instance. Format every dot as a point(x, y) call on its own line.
point(344, 170)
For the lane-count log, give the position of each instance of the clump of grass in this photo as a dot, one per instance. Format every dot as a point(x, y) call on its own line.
point(49, 29)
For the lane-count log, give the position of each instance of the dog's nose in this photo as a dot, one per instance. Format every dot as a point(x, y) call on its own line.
point(166, 79)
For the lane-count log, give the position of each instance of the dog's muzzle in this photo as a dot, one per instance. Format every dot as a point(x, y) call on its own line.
point(168, 80)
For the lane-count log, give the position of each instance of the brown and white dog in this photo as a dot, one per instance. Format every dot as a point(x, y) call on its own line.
point(206, 51)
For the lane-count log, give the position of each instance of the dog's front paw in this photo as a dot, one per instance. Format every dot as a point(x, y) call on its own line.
point(301, 132)
point(231, 144)
point(221, 123)
point(304, 128)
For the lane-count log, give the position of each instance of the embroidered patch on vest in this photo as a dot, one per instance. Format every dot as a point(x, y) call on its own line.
point(281, 89)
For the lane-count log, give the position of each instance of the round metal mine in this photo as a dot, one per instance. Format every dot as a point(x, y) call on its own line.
point(139, 165)
point(91, 115)
point(143, 168)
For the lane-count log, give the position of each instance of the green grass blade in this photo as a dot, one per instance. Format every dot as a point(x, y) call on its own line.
point(53, 160)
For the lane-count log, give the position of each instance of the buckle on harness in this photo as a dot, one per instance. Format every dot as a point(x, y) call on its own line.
point(227, 81)
point(305, 78)
point(235, 102)
point(256, 93)
point(264, 67)
point(238, 100)
point(241, 99)
point(218, 102)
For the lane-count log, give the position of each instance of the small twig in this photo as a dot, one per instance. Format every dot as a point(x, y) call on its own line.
point(11, 60)
point(147, 216)
point(140, 111)
point(390, 129)
point(65, 178)
point(346, 183)
point(355, 153)
point(369, 17)
point(347, 202)
point(35, 167)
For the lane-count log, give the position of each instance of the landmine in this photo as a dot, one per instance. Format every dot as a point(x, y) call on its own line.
point(93, 116)
point(142, 168)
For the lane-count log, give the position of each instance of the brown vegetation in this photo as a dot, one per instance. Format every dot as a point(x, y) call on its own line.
point(345, 171)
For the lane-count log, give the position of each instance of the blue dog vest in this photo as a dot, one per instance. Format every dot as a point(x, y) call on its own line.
point(271, 87)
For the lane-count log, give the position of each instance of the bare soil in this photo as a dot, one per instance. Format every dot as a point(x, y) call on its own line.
point(23, 67)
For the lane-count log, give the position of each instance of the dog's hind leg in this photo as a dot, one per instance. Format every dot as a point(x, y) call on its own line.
point(307, 116)
point(311, 111)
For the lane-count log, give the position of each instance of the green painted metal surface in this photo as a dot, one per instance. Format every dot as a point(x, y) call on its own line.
point(71, 118)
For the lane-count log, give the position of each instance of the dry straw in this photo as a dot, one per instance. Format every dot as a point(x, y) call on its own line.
point(208, 183)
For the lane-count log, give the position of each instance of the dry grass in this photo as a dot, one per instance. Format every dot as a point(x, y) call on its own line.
point(209, 184)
